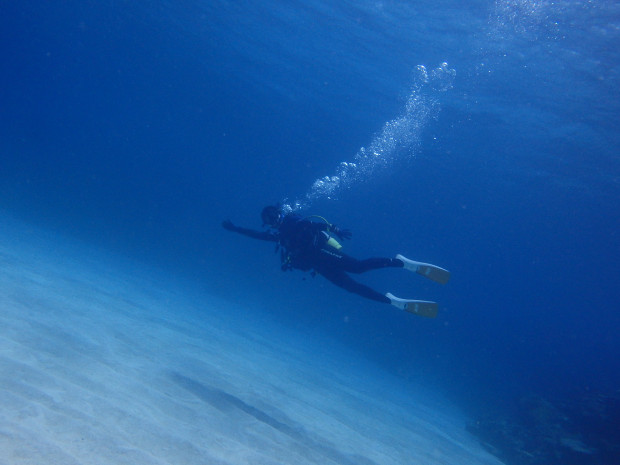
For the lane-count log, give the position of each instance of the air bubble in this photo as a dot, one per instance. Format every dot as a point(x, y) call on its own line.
point(399, 138)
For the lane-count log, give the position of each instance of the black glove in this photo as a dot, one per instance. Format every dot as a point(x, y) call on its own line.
point(342, 233)
point(228, 225)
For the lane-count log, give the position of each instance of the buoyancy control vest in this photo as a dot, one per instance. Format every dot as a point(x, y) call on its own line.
point(301, 239)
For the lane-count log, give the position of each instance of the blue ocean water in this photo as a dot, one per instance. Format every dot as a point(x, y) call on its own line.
point(481, 136)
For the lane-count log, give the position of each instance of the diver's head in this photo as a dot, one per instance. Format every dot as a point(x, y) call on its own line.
point(272, 216)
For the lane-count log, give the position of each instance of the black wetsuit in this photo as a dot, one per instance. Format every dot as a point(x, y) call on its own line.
point(304, 246)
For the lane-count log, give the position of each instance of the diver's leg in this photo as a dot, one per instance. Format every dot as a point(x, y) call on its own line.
point(368, 264)
point(338, 260)
point(341, 279)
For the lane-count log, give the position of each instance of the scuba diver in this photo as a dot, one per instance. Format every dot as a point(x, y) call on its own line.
point(310, 245)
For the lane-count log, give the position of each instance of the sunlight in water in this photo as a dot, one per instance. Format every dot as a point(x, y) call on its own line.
point(527, 19)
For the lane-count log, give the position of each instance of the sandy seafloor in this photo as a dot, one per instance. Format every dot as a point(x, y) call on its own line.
point(106, 361)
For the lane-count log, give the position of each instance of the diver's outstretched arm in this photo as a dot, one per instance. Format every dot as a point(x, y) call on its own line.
point(261, 235)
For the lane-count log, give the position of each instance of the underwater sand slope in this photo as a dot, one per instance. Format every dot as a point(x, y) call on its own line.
point(105, 362)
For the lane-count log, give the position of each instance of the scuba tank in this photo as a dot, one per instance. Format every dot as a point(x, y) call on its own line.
point(295, 249)
point(330, 239)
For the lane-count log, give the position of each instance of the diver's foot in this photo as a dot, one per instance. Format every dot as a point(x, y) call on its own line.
point(418, 307)
point(432, 272)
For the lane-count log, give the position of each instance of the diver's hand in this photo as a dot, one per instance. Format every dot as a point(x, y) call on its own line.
point(228, 225)
point(342, 233)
